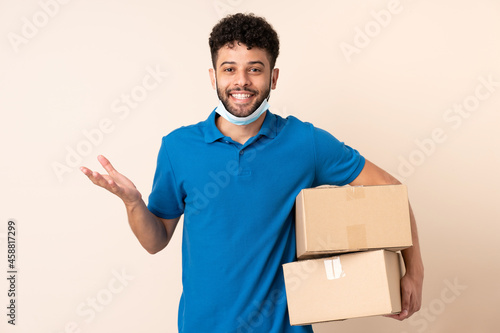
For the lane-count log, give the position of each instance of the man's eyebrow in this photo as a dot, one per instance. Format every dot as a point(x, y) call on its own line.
point(234, 63)
point(256, 62)
point(227, 63)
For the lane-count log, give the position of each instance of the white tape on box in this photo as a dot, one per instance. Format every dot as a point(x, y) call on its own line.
point(333, 268)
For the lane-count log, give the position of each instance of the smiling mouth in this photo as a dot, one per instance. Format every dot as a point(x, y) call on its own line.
point(242, 97)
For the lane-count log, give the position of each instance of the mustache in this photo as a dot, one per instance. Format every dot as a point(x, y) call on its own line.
point(241, 89)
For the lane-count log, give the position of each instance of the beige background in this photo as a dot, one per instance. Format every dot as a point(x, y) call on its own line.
point(386, 100)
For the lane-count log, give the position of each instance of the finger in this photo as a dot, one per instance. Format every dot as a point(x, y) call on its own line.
point(106, 164)
point(100, 180)
point(86, 171)
point(400, 316)
point(405, 297)
point(94, 176)
point(405, 306)
point(414, 306)
point(90, 174)
point(113, 187)
point(103, 181)
point(107, 182)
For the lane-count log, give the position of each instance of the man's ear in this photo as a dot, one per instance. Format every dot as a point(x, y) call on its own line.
point(276, 73)
point(211, 73)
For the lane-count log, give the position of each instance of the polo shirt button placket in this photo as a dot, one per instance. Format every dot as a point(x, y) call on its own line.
point(240, 155)
point(242, 170)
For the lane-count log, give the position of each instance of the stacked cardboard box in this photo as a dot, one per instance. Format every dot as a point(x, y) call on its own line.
point(346, 242)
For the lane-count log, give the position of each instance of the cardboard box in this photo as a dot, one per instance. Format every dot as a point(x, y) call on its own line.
point(332, 220)
point(346, 286)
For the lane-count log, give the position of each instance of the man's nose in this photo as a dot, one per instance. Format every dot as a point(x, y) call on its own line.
point(242, 79)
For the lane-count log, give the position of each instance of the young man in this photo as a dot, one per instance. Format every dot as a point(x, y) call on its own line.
point(235, 177)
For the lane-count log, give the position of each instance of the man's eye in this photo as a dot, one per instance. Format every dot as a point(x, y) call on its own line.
point(255, 70)
point(228, 70)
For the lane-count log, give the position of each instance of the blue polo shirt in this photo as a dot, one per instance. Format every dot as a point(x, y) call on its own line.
point(238, 205)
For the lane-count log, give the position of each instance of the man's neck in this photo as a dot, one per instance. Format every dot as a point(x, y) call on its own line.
point(240, 133)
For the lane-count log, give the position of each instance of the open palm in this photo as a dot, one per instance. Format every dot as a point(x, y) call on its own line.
point(114, 182)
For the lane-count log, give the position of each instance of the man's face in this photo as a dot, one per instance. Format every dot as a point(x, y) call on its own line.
point(242, 78)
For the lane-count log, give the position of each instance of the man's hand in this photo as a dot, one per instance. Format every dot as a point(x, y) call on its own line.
point(411, 295)
point(114, 182)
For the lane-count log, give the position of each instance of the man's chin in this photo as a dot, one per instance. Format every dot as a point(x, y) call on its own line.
point(240, 112)
point(241, 115)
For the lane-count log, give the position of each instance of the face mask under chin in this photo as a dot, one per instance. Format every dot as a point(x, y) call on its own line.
point(229, 116)
point(221, 110)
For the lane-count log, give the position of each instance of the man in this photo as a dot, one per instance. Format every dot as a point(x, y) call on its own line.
point(235, 177)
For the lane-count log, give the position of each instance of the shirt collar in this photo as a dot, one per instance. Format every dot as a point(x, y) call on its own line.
point(212, 133)
point(269, 127)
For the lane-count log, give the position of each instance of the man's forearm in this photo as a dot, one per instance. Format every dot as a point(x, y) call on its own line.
point(412, 256)
point(148, 228)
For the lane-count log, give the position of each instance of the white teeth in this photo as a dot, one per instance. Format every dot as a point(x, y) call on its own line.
point(241, 96)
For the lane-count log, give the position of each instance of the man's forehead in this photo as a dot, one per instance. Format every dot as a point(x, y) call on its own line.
point(237, 52)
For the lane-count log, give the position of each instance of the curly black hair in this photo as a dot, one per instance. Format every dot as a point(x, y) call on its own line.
point(247, 29)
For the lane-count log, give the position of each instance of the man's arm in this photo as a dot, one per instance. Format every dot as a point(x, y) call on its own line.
point(153, 233)
point(411, 283)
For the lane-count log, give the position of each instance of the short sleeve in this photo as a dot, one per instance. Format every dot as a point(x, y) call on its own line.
point(336, 163)
point(165, 200)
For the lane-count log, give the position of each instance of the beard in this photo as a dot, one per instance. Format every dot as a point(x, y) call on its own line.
point(241, 110)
